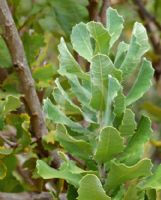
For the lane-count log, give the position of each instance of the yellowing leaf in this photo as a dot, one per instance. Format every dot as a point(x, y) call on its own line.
point(3, 170)
point(11, 104)
point(50, 137)
point(5, 151)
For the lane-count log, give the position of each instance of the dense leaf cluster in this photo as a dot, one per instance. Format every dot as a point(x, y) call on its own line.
point(107, 138)
point(95, 147)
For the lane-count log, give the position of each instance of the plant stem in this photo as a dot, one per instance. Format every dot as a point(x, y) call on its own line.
point(102, 172)
point(105, 5)
point(93, 10)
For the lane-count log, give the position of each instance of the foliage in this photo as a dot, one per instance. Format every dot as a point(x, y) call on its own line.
point(109, 140)
point(96, 147)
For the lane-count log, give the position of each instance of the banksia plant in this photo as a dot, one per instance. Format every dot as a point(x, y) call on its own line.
point(99, 142)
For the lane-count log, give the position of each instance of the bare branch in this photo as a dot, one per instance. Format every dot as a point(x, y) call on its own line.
point(151, 27)
point(105, 5)
point(93, 9)
point(3, 74)
point(14, 43)
point(25, 196)
point(148, 15)
point(29, 196)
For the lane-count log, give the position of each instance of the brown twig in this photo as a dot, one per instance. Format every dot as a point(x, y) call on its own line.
point(105, 5)
point(93, 10)
point(25, 175)
point(8, 142)
point(151, 26)
point(25, 196)
point(14, 43)
point(3, 74)
point(148, 15)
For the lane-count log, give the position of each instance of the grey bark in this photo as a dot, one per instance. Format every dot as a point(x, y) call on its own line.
point(25, 196)
point(30, 196)
point(10, 34)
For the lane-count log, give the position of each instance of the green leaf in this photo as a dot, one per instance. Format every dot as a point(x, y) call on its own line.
point(128, 124)
point(67, 62)
point(135, 146)
point(24, 6)
point(81, 41)
point(152, 182)
point(69, 109)
point(68, 13)
point(101, 37)
point(44, 73)
point(120, 54)
point(41, 2)
point(66, 97)
point(120, 173)
point(137, 48)
point(49, 23)
point(5, 151)
point(91, 189)
point(72, 193)
point(11, 104)
point(5, 58)
point(11, 84)
point(68, 171)
point(109, 145)
point(55, 114)
point(113, 87)
point(25, 135)
point(90, 115)
point(114, 24)
point(49, 138)
point(151, 194)
point(83, 95)
point(1, 123)
point(65, 100)
point(101, 68)
point(119, 104)
point(22, 123)
point(11, 163)
point(142, 83)
point(119, 194)
point(74, 146)
point(32, 44)
point(3, 170)
point(133, 193)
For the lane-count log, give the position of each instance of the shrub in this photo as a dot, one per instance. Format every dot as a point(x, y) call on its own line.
point(101, 143)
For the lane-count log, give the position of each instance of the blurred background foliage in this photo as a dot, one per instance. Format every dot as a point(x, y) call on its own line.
point(41, 24)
